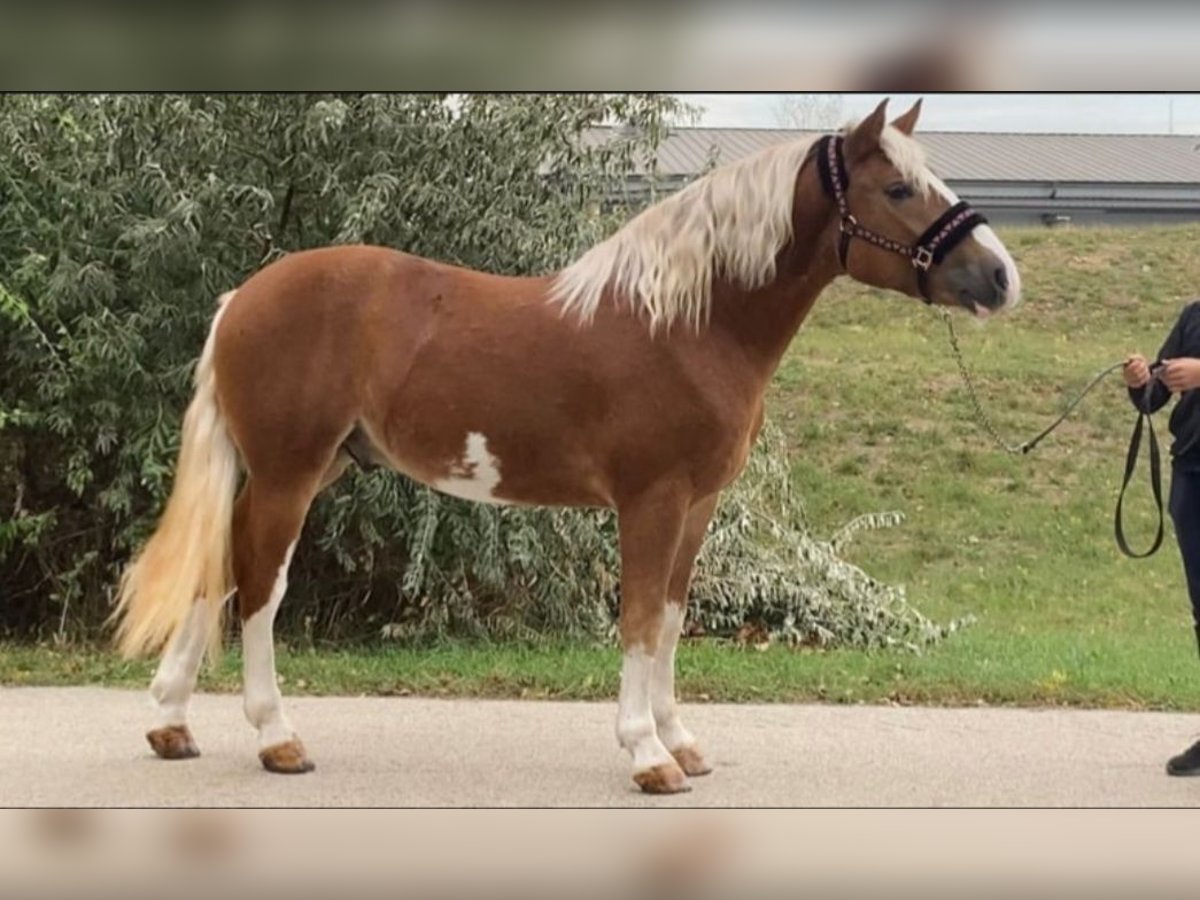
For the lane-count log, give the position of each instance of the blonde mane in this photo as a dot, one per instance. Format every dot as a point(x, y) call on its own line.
point(731, 223)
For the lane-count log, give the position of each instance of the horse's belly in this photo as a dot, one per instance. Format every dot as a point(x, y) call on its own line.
point(514, 447)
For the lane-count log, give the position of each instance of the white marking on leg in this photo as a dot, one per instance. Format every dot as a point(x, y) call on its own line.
point(988, 239)
point(662, 683)
point(175, 679)
point(261, 700)
point(474, 476)
point(635, 719)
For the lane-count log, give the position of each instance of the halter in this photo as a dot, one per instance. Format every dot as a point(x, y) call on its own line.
point(947, 231)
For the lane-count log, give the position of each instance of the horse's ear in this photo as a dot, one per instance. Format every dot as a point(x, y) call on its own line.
point(864, 139)
point(908, 122)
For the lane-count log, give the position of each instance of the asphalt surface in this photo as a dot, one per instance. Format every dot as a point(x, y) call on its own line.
point(85, 747)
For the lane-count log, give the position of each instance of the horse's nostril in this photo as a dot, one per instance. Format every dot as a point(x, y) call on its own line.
point(1001, 276)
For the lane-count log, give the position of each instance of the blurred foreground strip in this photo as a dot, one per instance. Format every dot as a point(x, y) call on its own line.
point(593, 853)
point(899, 47)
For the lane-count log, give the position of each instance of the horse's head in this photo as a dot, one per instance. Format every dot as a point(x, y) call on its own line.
point(899, 226)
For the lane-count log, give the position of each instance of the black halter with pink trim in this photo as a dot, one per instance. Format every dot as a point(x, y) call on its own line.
point(946, 233)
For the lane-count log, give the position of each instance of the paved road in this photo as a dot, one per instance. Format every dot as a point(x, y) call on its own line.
point(84, 746)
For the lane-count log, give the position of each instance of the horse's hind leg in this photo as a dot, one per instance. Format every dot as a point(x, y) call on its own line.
point(677, 739)
point(175, 680)
point(266, 525)
point(173, 685)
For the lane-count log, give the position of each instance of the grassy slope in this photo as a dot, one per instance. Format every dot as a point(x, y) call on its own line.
point(871, 401)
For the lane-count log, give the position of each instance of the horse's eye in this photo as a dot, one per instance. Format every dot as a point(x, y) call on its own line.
point(899, 191)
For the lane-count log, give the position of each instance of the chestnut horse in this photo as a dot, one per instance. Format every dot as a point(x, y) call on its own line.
point(631, 380)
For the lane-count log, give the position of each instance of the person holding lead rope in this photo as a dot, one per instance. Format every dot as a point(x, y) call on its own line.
point(1177, 371)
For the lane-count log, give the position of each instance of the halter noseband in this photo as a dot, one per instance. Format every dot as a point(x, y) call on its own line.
point(946, 233)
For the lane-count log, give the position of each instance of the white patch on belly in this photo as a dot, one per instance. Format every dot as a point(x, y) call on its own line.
point(476, 475)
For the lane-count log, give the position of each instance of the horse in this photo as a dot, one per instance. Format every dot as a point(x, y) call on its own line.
point(631, 380)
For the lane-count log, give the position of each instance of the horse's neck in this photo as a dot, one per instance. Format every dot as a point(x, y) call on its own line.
point(764, 322)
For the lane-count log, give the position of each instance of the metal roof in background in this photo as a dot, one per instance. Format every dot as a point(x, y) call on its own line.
point(978, 156)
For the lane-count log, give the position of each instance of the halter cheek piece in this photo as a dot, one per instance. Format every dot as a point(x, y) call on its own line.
point(946, 233)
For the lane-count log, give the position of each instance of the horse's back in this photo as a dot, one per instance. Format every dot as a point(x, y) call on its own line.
point(347, 280)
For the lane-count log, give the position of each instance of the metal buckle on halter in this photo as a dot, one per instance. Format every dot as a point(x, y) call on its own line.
point(849, 223)
point(922, 258)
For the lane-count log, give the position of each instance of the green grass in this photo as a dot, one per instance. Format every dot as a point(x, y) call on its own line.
point(1087, 669)
point(876, 418)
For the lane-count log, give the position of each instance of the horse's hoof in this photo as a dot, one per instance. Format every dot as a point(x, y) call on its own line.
point(692, 761)
point(665, 778)
point(173, 742)
point(287, 758)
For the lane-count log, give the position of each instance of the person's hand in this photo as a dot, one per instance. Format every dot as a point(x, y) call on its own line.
point(1136, 371)
point(1179, 375)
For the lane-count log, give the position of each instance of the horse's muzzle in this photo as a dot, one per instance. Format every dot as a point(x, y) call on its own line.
point(981, 287)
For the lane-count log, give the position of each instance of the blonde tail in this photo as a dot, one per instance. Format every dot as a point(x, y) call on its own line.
point(187, 560)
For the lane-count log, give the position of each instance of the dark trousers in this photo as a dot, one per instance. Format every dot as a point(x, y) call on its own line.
point(1185, 513)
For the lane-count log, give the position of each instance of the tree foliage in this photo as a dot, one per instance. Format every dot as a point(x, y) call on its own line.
point(122, 218)
point(819, 112)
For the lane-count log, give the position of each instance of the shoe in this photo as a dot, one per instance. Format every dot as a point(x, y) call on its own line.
point(1186, 763)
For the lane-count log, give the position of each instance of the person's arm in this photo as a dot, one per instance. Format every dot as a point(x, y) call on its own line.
point(1171, 348)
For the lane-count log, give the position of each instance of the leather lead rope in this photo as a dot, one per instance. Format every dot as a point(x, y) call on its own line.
point(1135, 445)
point(1144, 423)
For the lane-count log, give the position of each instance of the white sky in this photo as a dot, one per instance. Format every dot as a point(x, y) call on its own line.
point(1101, 113)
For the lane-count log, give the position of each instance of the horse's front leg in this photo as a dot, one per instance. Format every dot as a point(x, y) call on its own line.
point(671, 731)
point(650, 530)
